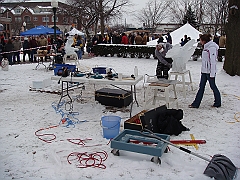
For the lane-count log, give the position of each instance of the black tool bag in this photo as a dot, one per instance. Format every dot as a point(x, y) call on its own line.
point(113, 97)
point(164, 121)
point(64, 72)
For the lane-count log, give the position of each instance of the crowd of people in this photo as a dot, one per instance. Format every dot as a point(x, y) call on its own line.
point(13, 46)
point(29, 46)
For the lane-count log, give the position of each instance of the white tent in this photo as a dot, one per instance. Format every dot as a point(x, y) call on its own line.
point(179, 33)
point(75, 31)
point(186, 29)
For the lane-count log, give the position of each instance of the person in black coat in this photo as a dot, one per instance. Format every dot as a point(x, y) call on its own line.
point(169, 38)
point(26, 49)
point(185, 40)
point(8, 50)
point(94, 40)
point(160, 39)
point(2, 43)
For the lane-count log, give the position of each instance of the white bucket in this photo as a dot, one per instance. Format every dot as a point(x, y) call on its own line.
point(5, 65)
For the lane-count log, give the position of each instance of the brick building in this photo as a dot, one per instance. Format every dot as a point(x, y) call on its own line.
point(15, 15)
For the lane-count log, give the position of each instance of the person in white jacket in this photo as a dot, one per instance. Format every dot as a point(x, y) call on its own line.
point(208, 71)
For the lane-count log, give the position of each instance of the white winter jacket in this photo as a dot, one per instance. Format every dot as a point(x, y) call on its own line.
point(209, 58)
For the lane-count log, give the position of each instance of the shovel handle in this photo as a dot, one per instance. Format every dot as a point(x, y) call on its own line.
point(152, 135)
point(188, 141)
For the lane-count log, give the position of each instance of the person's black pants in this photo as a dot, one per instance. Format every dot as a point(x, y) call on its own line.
point(162, 71)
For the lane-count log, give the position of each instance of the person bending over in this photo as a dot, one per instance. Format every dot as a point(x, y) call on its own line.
point(164, 64)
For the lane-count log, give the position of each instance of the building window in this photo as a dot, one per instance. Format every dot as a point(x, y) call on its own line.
point(65, 20)
point(27, 18)
point(45, 19)
point(53, 19)
point(18, 19)
point(18, 11)
point(35, 18)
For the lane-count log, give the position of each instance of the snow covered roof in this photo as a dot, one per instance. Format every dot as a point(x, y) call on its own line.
point(45, 7)
point(3, 8)
point(31, 10)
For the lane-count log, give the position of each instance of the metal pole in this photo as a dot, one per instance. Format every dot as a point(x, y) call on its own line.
point(54, 17)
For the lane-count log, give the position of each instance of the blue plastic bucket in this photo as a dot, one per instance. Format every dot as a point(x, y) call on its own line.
point(111, 126)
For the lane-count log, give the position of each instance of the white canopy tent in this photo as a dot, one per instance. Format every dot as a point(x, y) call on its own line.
point(179, 33)
point(75, 31)
point(186, 29)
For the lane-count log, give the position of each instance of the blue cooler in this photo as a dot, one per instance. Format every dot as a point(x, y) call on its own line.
point(56, 67)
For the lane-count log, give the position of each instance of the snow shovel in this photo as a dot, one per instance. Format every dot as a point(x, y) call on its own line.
point(220, 167)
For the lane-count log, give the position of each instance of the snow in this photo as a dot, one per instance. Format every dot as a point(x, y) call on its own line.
point(23, 112)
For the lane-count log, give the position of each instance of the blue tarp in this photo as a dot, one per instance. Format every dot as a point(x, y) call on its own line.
point(39, 30)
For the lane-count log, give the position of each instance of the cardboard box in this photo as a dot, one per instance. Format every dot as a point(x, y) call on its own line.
point(135, 122)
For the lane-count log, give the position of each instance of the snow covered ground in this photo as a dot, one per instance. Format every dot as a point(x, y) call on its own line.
point(23, 112)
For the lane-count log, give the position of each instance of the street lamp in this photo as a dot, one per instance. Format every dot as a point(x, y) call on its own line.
point(24, 25)
point(54, 5)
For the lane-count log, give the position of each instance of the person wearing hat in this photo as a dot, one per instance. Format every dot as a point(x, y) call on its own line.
point(26, 49)
point(164, 64)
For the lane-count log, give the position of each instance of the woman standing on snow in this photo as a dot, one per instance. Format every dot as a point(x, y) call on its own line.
point(208, 71)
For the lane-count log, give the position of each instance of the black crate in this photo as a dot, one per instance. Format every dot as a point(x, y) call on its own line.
point(113, 97)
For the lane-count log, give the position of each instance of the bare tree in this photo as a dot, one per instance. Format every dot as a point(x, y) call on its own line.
point(108, 9)
point(83, 11)
point(232, 57)
point(178, 8)
point(199, 8)
point(90, 12)
point(153, 14)
point(217, 13)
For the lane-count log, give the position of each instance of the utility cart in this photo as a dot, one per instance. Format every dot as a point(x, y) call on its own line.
point(135, 141)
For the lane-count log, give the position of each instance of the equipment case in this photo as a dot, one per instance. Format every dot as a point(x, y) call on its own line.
point(113, 97)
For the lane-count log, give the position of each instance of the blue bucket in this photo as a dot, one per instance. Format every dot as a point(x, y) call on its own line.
point(111, 126)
